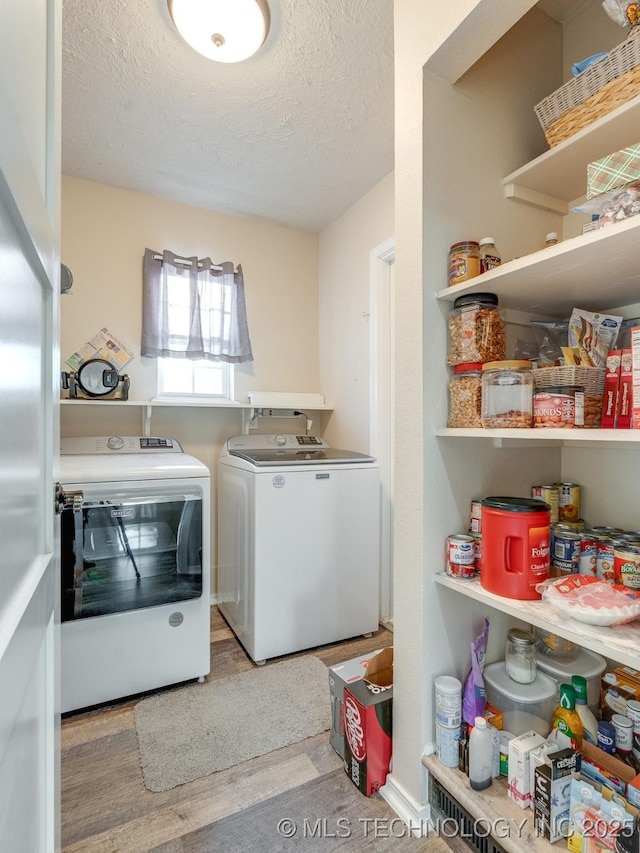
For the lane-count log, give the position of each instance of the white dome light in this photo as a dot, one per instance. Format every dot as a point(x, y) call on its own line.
point(224, 30)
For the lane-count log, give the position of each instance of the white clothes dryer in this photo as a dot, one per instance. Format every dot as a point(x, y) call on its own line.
point(135, 568)
point(298, 542)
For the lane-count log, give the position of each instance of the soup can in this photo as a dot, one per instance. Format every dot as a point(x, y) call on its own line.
point(550, 495)
point(626, 564)
point(477, 539)
point(569, 501)
point(604, 558)
point(460, 556)
point(566, 547)
point(589, 553)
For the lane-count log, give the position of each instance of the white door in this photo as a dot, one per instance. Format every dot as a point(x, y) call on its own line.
point(29, 283)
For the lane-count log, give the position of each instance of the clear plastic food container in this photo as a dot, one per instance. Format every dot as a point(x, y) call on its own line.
point(465, 396)
point(476, 330)
point(507, 395)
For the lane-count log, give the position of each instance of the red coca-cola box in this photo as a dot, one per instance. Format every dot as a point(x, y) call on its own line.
point(368, 725)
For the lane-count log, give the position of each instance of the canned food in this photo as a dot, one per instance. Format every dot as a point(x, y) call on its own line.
point(588, 552)
point(550, 495)
point(626, 564)
point(477, 539)
point(562, 406)
point(569, 501)
point(460, 556)
point(565, 548)
point(604, 558)
point(475, 523)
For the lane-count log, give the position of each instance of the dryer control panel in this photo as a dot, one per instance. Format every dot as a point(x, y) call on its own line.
point(281, 441)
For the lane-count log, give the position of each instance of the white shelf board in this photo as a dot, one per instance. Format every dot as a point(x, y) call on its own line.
point(530, 437)
point(514, 827)
point(620, 643)
point(597, 271)
point(561, 172)
point(184, 403)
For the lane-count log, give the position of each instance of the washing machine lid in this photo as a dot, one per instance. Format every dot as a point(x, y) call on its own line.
point(279, 458)
point(281, 449)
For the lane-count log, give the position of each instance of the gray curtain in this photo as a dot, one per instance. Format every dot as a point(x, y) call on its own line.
point(192, 308)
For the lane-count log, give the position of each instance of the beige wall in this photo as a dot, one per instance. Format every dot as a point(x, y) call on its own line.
point(105, 231)
point(344, 309)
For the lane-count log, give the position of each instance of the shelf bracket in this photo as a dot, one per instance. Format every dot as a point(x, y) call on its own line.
point(146, 420)
point(536, 199)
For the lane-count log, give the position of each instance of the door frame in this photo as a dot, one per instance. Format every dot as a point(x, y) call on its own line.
point(381, 415)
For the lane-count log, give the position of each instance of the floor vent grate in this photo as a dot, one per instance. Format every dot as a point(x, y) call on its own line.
point(445, 808)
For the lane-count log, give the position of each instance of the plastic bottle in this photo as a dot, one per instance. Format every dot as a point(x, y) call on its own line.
point(489, 255)
point(480, 755)
point(566, 719)
point(589, 722)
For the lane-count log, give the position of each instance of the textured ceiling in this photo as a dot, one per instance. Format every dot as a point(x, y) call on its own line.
point(295, 134)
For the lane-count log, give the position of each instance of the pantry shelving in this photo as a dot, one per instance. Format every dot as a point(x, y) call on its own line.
point(621, 642)
point(595, 271)
point(495, 814)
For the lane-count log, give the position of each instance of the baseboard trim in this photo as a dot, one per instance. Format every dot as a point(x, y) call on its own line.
point(213, 600)
point(415, 815)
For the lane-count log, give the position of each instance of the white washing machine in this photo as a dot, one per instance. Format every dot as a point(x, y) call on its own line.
point(298, 542)
point(135, 568)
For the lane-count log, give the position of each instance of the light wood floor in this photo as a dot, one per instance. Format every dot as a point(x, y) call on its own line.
point(106, 807)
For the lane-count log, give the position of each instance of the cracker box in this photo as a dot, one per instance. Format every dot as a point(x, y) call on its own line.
point(635, 369)
point(613, 171)
point(611, 389)
point(367, 725)
point(520, 748)
point(552, 794)
point(341, 675)
point(625, 393)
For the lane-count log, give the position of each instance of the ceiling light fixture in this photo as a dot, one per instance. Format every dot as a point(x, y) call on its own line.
point(224, 30)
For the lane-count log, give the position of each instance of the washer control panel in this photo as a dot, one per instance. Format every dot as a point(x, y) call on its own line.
point(118, 444)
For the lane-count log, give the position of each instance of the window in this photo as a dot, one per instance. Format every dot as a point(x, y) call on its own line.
point(182, 377)
point(194, 322)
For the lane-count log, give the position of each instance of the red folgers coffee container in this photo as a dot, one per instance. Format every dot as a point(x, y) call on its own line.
point(515, 546)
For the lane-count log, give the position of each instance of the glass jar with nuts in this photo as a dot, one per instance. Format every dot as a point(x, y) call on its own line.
point(465, 396)
point(476, 330)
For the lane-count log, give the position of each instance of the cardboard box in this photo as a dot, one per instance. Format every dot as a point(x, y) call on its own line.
point(625, 392)
point(596, 815)
point(368, 725)
point(613, 171)
point(635, 370)
point(611, 390)
point(605, 770)
point(340, 676)
point(552, 794)
point(493, 716)
point(520, 748)
point(633, 792)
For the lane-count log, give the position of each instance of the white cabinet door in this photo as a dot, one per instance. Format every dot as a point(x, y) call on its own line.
point(29, 285)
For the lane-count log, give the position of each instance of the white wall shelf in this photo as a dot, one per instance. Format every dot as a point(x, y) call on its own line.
point(201, 404)
point(597, 271)
point(620, 438)
point(561, 173)
point(620, 643)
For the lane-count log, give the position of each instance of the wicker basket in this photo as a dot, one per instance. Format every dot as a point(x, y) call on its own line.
point(590, 378)
point(604, 86)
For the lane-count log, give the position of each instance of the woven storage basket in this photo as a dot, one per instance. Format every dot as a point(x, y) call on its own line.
point(604, 86)
point(590, 378)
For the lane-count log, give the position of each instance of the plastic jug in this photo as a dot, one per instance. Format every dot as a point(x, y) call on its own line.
point(515, 546)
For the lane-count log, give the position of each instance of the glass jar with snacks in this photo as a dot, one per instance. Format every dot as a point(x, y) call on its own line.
point(476, 330)
point(489, 255)
point(464, 261)
point(465, 396)
point(507, 395)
